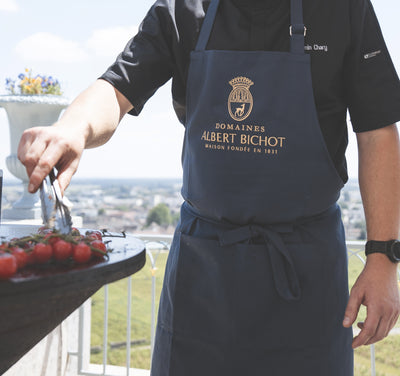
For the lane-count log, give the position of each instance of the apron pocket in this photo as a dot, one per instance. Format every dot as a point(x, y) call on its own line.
point(226, 294)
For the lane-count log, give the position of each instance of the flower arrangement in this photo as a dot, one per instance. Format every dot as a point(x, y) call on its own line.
point(28, 84)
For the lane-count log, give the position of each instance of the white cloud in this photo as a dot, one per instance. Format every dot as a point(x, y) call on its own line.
point(111, 41)
point(9, 5)
point(50, 48)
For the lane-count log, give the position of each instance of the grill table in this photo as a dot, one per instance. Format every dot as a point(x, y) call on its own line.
point(38, 299)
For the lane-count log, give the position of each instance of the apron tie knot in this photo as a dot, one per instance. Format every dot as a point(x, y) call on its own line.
point(283, 270)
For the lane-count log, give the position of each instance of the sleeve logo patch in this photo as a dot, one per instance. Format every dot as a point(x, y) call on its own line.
point(372, 54)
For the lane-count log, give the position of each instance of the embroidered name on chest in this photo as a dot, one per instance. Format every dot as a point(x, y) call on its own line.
point(316, 47)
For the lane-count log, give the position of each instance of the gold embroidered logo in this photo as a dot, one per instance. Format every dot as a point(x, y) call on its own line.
point(240, 102)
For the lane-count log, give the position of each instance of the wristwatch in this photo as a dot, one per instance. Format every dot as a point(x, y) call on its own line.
point(390, 248)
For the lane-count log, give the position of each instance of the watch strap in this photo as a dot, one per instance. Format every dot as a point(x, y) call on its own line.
point(385, 247)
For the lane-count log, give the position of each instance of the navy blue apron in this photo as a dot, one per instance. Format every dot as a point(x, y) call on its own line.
point(256, 279)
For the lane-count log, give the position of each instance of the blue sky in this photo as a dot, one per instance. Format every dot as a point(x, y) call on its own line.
point(76, 41)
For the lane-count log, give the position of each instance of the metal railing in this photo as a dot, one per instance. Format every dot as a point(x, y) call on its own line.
point(154, 245)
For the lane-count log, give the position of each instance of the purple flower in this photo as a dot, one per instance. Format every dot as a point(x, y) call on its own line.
point(10, 85)
point(10, 82)
point(21, 76)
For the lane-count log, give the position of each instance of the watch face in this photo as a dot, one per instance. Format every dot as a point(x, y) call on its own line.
point(395, 248)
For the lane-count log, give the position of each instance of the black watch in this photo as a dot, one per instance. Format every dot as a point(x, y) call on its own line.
point(390, 248)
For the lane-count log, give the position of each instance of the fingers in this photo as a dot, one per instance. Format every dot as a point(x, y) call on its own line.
point(387, 322)
point(394, 320)
point(353, 306)
point(64, 176)
point(373, 327)
point(372, 333)
point(43, 148)
point(47, 160)
point(26, 153)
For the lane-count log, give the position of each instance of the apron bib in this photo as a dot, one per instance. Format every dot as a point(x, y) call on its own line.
point(256, 279)
point(253, 147)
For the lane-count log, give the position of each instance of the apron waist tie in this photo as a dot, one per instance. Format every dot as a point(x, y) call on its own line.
point(283, 271)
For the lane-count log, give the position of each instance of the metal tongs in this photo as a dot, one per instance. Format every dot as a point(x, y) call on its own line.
point(55, 213)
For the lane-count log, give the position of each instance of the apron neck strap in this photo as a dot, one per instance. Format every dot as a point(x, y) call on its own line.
point(297, 29)
point(207, 26)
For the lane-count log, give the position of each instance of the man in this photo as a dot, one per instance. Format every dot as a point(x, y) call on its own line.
point(256, 281)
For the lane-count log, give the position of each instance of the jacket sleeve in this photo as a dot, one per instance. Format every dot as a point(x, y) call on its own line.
point(373, 85)
point(146, 63)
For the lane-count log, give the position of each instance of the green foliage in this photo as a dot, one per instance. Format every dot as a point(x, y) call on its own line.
point(175, 218)
point(159, 214)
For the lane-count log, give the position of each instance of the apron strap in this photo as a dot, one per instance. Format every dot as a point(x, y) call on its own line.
point(297, 29)
point(283, 271)
point(207, 26)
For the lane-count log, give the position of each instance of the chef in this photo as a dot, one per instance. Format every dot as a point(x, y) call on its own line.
point(256, 280)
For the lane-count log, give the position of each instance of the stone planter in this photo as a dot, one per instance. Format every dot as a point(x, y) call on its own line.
point(23, 112)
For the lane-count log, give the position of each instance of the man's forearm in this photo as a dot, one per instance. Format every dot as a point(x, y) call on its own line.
point(379, 178)
point(95, 113)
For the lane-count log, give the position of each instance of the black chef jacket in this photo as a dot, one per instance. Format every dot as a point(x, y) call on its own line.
point(351, 67)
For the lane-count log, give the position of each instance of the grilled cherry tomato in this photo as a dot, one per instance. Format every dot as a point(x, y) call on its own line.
point(62, 250)
point(42, 252)
point(94, 235)
point(81, 253)
point(8, 266)
point(100, 248)
point(21, 256)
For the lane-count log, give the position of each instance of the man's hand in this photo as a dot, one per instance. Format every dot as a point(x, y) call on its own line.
point(42, 148)
point(377, 289)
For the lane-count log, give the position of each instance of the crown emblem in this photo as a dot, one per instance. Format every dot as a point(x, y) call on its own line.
point(240, 101)
point(241, 81)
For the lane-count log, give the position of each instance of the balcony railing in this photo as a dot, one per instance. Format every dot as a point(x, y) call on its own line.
point(154, 245)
